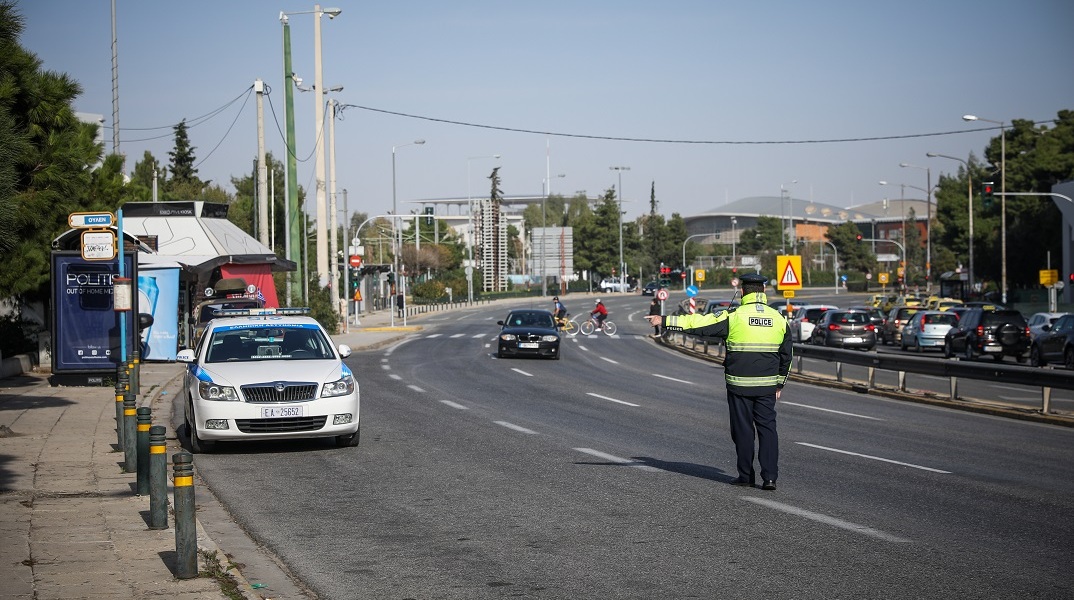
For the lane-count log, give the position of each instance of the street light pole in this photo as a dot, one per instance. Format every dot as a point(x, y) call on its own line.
point(322, 205)
point(928, 223)
point(688, 238)
point(1002, 200)
point(622, 265)
point(969, 204)
point(734, 258)
point(397, 225)
point(469, 270)
point(783, 219)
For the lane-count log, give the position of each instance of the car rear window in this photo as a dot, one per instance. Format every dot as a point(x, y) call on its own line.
point(814, 314)
point(1001, 317)
point(850, 318)
point(905, 313)
point(944, 319)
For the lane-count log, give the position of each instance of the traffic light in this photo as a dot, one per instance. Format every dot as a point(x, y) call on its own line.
point(1070, 278)
point(428, 215)
point(858, 237)
point(987, 194)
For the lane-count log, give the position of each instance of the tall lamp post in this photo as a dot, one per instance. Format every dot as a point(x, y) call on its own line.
point(1002, 200)
point(688, 238)
point(622, 265)
point(783, 220)
point(928, 222)
point(294, 226)
point(473, 229)
point(969, 204)
point(396, 221)
point(544, 225)
point(734, 258)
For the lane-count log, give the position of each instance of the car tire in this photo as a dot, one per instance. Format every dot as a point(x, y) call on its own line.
point(917, 346)
point(1068, 358)
point(947, 352)
point(968, 352)
point(1035, 359)
point(349, 441)
point(198, 445)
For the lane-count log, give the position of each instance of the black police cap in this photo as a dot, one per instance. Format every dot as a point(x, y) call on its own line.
point(754, 278)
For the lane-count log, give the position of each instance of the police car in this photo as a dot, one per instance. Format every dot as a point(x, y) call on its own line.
point(268, 374)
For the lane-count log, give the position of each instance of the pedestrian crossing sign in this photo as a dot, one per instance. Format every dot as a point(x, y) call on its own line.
point(788, 272)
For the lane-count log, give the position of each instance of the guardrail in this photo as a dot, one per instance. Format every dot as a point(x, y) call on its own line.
point(953, 369)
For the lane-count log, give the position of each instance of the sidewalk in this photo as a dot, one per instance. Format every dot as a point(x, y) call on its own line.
point(71, 523)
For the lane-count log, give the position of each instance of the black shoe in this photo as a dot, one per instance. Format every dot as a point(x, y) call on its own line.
point(769, 484)
point(742, 482)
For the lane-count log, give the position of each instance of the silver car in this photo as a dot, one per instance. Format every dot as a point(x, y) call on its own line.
point(927, 329)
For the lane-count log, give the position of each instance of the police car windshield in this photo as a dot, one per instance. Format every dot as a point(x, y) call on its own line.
point(239, 343)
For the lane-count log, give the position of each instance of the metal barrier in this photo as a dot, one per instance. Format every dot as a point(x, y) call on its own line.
point(953, 369)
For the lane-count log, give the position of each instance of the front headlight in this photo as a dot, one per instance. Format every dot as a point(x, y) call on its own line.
point(214, 391)
point(341, 387)
point(508, 337)
point(549, 338)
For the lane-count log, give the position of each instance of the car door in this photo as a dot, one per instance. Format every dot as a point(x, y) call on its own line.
point(1052, 342)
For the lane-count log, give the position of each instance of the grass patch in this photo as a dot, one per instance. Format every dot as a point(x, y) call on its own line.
point(216, 570)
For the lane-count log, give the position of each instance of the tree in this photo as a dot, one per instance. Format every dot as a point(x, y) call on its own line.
point(597, 239)
point(47, 155)
point(182, 159)
point(855, 254)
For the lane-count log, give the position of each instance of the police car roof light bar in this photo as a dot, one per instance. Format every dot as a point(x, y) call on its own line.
point(258, 312)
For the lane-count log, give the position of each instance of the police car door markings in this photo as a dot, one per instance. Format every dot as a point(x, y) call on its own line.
point(838, 412)
point(514, 427)
point(522, 372)
point(821, 518)
point(611, 399)
point(454, 405)
point(626, 462)
point(672, 379)
point(887, 460)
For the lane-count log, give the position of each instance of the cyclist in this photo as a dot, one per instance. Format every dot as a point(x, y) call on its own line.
point(559, 310)
point(599, 313)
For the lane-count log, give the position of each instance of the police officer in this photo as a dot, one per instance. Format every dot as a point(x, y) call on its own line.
point(758, 360)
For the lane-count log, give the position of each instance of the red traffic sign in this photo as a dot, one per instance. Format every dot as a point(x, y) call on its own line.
point(662, 294)
point(356, 261)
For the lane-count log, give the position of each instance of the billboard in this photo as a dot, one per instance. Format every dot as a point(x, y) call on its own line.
point(158, 295)
point(85, 328)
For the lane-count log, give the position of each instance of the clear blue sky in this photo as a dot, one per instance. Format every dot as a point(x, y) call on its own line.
point(686, 71)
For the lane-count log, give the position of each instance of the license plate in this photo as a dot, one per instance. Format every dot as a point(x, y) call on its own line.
point(528, 345)
point(275, 412)
point(853, 340)
point(993, 348)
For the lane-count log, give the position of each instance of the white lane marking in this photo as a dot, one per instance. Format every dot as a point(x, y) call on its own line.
point(386, 367)
point(672, 379)
point(395, 377)
point(626, 462)
point(432, 335)
point(479, 335)
point(384, 360)
point(455, 405)
point(515, 427)
point(610, 399)
point(820, 518)
point(521, 371)
point(457, 335)
point(583, 348)
point(416, 388)
point(838, 412)
point(614, 362)
point(887, 460)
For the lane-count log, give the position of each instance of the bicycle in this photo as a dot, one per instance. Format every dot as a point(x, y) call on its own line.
point(569, 326)
point(590, 325)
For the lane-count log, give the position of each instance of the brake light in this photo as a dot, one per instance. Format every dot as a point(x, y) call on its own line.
point(832, 327)
point(805, 319)
point(980, 331)
point(870, 327)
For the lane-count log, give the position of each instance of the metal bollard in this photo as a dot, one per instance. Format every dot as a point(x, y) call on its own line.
point(158, 478)
point(186, 534)
point(145, 419)
point(121, 390)
point(136, 371)
point(130, 438)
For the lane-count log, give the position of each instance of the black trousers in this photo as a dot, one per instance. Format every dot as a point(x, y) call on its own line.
point(754, 417)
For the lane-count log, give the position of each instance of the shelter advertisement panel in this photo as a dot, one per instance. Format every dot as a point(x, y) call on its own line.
point(85, 332)
point(158, 295)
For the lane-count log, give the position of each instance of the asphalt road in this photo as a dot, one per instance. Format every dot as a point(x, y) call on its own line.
point(605, 475)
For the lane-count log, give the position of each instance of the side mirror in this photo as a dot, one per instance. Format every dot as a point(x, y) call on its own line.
point(344, 350)
point(185, 356)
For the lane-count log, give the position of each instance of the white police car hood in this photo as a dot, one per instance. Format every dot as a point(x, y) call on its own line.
point(238, 374)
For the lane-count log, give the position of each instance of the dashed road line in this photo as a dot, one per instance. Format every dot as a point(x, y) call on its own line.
point(626, 462)
point(514, 427)
point(887, 460)
point(827, 520)
point(611, 399)
point(454, 405)
point(829, 410)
